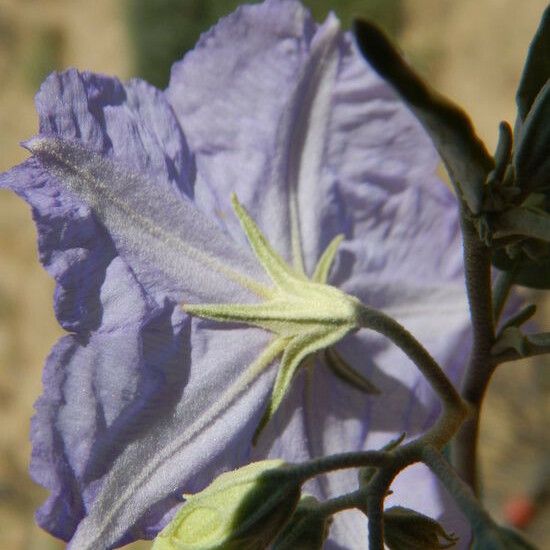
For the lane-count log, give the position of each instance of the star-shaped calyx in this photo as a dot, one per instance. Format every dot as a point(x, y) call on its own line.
point(306, 315)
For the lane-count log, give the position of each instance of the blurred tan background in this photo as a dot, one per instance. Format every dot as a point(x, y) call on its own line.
point(472, 50)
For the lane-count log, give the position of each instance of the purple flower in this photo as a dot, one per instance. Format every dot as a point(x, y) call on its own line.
point(131, 192)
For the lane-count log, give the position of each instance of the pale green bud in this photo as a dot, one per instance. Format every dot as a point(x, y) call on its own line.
point(240, 510)
point(405, 528)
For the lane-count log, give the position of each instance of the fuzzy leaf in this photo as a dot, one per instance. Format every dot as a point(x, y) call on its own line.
point(530, 273)
point(532, 158)
point(463, 153)
point(522, 221)
point(537, 67)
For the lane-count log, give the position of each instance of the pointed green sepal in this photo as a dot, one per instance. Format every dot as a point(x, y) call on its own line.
point(306, 316)
point(280, 272)
point(317, 307)
point(322, 270)
point(343, 370)
point(297, 350)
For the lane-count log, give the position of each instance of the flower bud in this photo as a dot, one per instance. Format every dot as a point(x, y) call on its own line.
point(307, 530)
point(405, 528)
point(240, 510)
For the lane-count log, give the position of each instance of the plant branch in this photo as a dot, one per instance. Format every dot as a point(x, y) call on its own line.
point(341, 461)
point(383, 324)
point(477, 264)
point(375, 507)
point(390, 462)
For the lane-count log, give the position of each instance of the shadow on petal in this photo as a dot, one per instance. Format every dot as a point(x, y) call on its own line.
point(163, 374)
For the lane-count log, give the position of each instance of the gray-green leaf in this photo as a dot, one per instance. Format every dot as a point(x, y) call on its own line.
point(463, 153)
point(522, 221)
point(532, 158)
point(530, 273)
point(537, 67)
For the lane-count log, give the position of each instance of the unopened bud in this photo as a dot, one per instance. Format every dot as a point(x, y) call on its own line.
point(405, 528)
point(240, 510)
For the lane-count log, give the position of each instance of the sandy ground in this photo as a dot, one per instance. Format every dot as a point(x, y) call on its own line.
point(472, 50)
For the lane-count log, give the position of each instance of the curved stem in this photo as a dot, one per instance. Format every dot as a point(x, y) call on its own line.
point(477, 263)
point(375, 506)
point(461, 492)
point(339, 461)
point(454, 408)
point(390, 463)
point(355, 499)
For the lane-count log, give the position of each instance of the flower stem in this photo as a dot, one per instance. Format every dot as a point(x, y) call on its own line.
point(341, 461)
point(477, 264)
point(454, 409)
point(355, 499)
point(461, 492)
point(391, 462)
point(375, 506)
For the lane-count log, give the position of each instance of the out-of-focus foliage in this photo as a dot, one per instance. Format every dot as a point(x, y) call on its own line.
point(45, 54)
point(163, 30)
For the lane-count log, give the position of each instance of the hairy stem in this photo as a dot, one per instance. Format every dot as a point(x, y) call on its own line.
point(356, 499)
point(461, 492)
point(454, 410)
point(339, 461)
point(477, 263)
point(375, 507)
point(391, 462)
